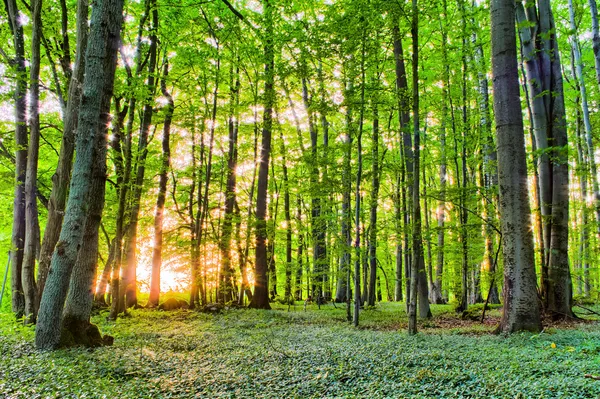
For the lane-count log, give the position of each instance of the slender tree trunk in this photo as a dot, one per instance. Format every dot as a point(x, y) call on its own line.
point(104, 38)
point(260, 299)
point(578, 75)
point(417, 247)
point(298, 285)
point(162, 190)
point(595, 37)
point(288, 222)
point(521, 310)
point(100, 291)
point(345, 223)
point(407, 154)
point(62, 175)
point(227, 273)
point(373, 210)
point(583, 187)
point(31, 212)
point(130, 279)
point(20, 93)
point(357, 224)
point(318, 225)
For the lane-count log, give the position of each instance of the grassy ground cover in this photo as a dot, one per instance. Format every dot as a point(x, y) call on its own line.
point(281, 353)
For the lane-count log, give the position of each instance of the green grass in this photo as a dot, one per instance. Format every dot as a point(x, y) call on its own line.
point(275, 354)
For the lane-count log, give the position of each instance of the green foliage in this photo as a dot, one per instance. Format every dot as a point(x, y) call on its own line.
point(247, 353)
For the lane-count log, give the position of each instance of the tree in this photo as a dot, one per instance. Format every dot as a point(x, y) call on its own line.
point(162, 190)
point(260, 299)
point(103, 43)
point(544, 77)
point(62, 175)
point(18, 228)
point(521, 310)
point(32, 228)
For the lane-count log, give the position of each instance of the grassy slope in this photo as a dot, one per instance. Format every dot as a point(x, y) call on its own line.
point(245, 353)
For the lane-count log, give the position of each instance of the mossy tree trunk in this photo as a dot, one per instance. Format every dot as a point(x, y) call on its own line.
point(103, 43)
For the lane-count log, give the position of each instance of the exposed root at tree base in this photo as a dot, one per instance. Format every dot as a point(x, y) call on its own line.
point(82, 333)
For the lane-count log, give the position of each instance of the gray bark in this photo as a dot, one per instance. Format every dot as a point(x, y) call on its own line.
point(578, 72)
point(62, 175)
point(595, 37)
point(543, 69)
point(104, 36)
point(521, 310)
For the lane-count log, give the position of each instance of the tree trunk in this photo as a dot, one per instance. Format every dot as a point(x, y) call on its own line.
point(260, 300)
point(162, 190)
point(288, 223)
point(62, 175)
point(78, 307)
point(357, 224)
point(20, 94)
point(32, 239)
point(104, 38)
point(100, 291)
point(130, 247)
point(227, 274)
point(418, 276)
point(298, 284)
point(544, 75)
point(595, 37)
point(343, 281)
point(406, 148)
point(373, 210)
point(521, 310)
point(579, 78)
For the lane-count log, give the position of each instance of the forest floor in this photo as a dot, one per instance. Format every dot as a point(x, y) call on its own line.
point(295, 353)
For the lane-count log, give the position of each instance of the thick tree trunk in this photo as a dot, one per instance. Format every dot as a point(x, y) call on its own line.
point(544, 75)
point(78, 307)
point(62, 175)
point(260, 300)
point(104, 38)
point(521, 310)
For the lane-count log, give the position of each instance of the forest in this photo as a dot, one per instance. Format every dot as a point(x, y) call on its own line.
point(299, 198)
